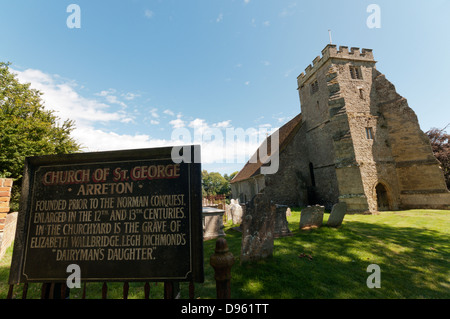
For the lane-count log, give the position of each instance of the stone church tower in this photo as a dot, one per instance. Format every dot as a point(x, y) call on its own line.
point(355, 141)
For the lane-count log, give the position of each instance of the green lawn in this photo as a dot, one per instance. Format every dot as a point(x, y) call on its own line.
point(411, 247)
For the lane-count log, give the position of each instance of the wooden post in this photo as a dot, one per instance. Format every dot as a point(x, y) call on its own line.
point(222, 261)
point(171, 290)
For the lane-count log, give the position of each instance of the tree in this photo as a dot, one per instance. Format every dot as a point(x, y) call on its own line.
point(231, 176)
point(440, 144)
point(214, 184)
point(26, 127)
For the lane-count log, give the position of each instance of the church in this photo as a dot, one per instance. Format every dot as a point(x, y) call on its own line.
point(356, 141)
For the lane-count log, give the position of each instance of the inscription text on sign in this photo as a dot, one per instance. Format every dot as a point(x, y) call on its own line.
point(124, 215)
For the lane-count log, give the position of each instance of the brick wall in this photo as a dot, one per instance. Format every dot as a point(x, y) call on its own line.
point(7, 220)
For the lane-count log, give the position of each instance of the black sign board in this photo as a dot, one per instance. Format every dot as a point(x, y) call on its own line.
point(131, 215)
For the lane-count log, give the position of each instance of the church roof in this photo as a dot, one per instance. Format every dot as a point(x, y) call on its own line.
point(286, 132)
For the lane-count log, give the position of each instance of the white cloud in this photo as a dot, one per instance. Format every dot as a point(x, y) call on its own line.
point(220, 17)
point(222, 124)
point(95, 140)
point(130, 96)
point(169, 112)
point(246, 1)
point(154, 113)
point(178, 123)
point(63, 98)
point(288, 11)
point(90, 114)
point(110, 97)
point(266, 23)
point(149, 13)
point(199, 125)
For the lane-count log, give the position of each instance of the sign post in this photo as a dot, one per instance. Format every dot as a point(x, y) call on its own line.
point(131, 215)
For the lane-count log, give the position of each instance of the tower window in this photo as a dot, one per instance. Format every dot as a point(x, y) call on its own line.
point(314, 87)
point(369, 133)
point(361, 94)
point(355, 72)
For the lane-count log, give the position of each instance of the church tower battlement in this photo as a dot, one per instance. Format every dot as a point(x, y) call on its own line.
point(330, 51)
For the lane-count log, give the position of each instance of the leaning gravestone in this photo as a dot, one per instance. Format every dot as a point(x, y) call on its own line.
point(337, 214)
point(257, 229)
point(281, 224)
point(311, 217)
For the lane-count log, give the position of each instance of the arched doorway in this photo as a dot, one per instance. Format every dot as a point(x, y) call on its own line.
point(382, 197)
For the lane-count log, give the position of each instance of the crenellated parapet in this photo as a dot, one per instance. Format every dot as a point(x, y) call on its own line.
point(331, 51)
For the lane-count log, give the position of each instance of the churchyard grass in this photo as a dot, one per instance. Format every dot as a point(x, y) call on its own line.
point(411, 248)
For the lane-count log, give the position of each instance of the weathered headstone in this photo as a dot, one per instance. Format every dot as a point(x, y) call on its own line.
point(257, 229)
point(227, 212)
point(236, 212)
point(311, 217)
point(337, 214)
point(288, 212)
point(281, 224)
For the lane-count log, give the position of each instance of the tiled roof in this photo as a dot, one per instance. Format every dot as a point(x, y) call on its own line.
point(286, 132)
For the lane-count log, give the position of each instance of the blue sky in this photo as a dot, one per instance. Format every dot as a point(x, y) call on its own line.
point(136, 70)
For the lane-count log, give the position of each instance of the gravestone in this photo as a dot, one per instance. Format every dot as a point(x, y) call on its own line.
point(337, 214)
point(258, 229)
point(236, 212)
point(311, 217)
point(281, 223)
point(288, 212)
point(227, 212)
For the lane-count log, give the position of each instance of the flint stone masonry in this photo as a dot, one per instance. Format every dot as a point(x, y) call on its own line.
point(337, 215)
point(258, 229)
point(311, 217)
point(281, 223)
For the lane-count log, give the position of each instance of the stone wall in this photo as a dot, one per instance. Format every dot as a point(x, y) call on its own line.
point(7, 220)
point(289, 185)
point(333, 157)
point(420, 179)
point(319, 132)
